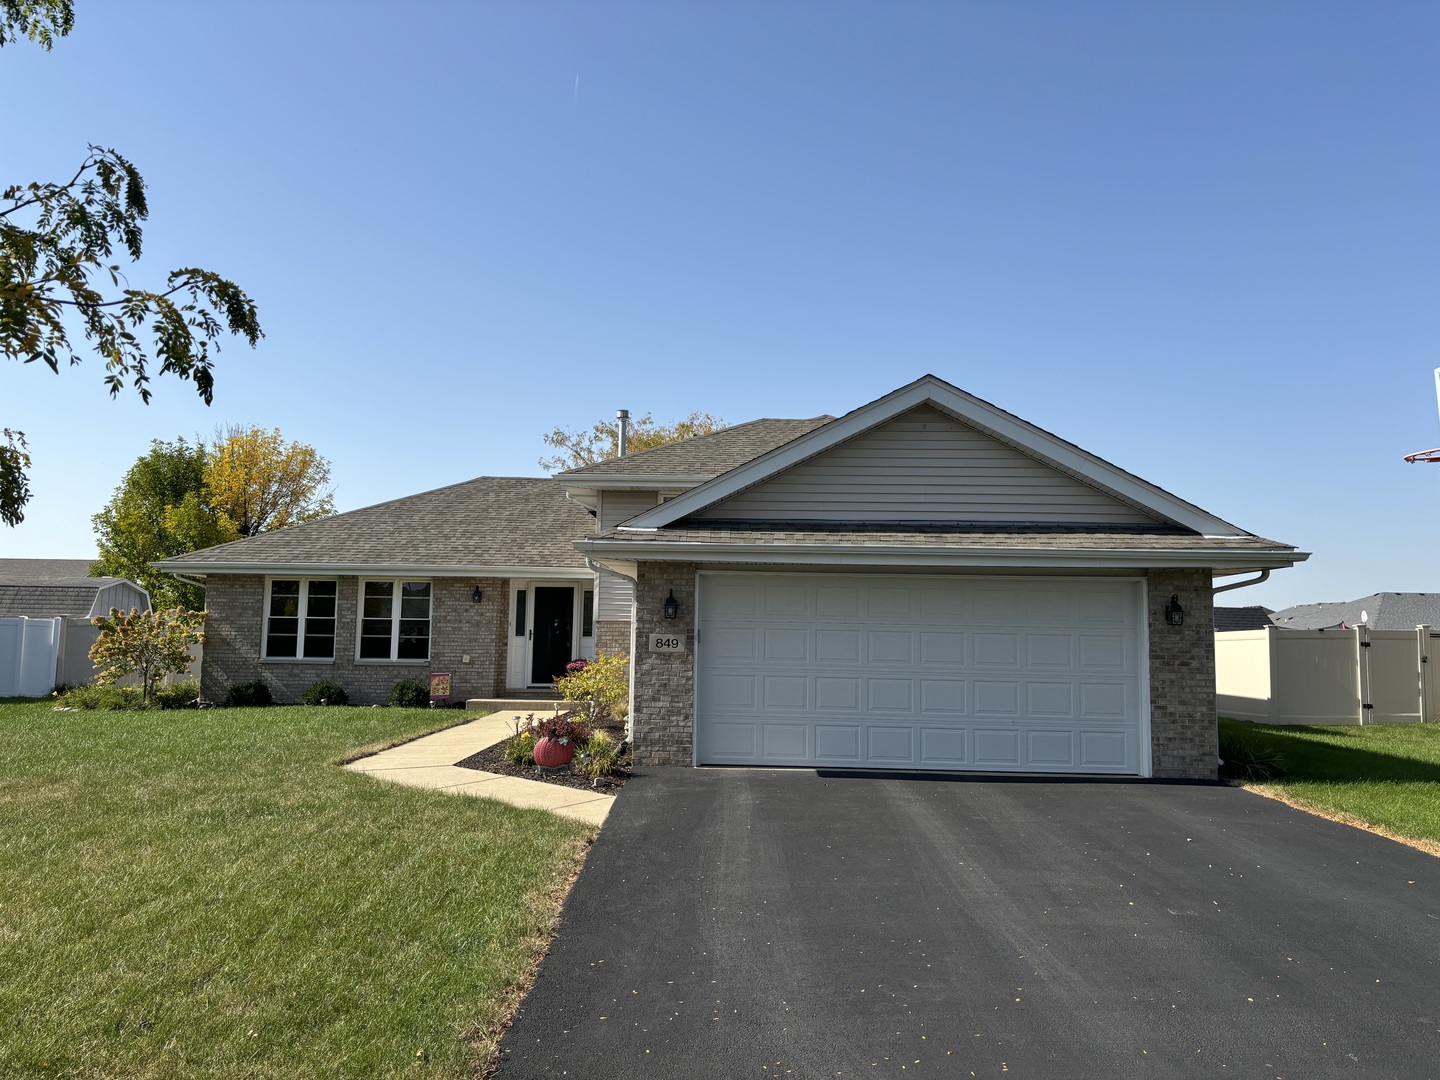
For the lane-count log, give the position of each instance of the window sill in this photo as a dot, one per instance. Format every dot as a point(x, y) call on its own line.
point(294, 660)
point(394, 663)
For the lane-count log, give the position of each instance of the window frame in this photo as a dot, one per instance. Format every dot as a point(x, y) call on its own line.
point(300, 619)
point(397, 596)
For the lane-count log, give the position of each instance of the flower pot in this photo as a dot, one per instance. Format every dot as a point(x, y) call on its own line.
point(551, 753)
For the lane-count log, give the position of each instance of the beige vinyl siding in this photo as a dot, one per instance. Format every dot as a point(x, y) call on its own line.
point(614, 596)
point(925, 466)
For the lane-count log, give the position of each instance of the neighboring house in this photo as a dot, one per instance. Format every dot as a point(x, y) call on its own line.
point(1379, 611)
point(45, 610)
point(1241, 618)
point(928, 582)
point(44, 588)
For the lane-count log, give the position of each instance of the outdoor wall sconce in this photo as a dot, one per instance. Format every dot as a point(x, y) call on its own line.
point(477, 595)
point(1174, 613)
point(672, 606)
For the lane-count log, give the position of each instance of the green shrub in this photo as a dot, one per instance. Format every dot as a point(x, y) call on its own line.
point(90, 697)
point(598, 755)
point(602, 685)
point(1249, 760)
point(410, 694)
point(249, 693)
point(520, 749)
point(325, 692)
point(181, 695)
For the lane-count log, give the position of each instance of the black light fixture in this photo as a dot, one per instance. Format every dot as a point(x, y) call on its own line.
point(1174, 613)
point(477, 595)
point(672, 606)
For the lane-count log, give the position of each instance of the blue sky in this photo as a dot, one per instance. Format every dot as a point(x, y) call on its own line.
point(1199, 240)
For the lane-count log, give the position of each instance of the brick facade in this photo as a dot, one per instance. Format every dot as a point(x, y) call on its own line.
point(612, 637)
point(1184, 739)
point(458, 627)
point(662, 717)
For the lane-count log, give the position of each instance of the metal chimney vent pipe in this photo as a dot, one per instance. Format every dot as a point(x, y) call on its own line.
point(623, 415)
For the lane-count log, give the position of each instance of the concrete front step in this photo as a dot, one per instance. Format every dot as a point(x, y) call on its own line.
point(524, 705)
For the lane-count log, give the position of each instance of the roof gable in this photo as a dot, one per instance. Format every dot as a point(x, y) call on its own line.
point(973, 419)
point(925, 466)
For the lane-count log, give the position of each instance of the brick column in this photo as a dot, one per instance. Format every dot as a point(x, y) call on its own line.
point(1184, 736)
point(662, 714)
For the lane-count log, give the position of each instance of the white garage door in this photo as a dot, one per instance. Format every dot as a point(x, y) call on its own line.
point(899, 672)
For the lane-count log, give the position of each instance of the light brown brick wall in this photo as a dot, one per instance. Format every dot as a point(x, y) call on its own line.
point(662, 720)
point(1184, 739)
point(612, 638)
point(458, 626)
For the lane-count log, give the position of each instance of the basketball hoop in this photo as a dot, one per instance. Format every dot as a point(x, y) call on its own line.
point(1431, 457)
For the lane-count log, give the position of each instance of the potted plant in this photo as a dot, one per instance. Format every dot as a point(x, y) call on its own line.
point(556, 739)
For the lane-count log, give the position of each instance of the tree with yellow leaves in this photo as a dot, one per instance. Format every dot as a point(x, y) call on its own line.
point(259, 482)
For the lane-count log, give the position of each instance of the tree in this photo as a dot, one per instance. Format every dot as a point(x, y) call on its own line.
point(602, 441)
point(259, 482)
point(152, 643)
point(162, 507)
point(57, 242)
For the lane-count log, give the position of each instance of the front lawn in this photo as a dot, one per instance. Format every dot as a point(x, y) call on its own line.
point(204, 893)
point(1385, 775)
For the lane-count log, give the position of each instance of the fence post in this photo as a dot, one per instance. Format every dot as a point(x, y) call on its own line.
point(1362, 668)
point(1272, 673)
point(1427, 681)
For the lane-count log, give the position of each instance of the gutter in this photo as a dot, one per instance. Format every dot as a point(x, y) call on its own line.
point(1264, 576)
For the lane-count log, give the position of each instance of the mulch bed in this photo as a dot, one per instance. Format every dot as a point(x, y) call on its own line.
point(492, 760)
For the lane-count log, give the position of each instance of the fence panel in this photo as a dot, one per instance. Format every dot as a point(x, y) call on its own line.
point(1395, 692)
point(28, 649)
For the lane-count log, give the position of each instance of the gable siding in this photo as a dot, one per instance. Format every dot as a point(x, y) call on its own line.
point(614, 596)
point(925, 466)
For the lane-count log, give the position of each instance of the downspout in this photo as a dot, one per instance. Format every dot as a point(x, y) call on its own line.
point(1218, 589)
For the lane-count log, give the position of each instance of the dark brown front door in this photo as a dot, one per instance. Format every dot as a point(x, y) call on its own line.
point(554, 632)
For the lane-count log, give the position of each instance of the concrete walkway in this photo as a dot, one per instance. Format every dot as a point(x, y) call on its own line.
point(429, 762)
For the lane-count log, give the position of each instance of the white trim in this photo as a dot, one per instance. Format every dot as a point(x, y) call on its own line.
point(993, 421)
point(599, 482)
point(1147, 763)
point(1233, 561)
point(395, 618)
point(695, 678)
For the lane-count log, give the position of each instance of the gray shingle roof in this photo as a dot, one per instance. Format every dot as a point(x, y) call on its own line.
point(1242, 618)
point(1385, 611)
point(704, 455)
point(497, 521)
point(47, 601)
point(1102, 537)
point(74, 572)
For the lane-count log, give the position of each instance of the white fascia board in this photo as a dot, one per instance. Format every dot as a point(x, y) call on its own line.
point(1226, 560)
point(371, 569)
point(994, 421)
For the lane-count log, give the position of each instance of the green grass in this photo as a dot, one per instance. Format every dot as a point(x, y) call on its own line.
point(204, 893)
point(1384, 775)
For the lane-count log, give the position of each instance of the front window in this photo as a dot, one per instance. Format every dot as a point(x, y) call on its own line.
point(300, 620)
point(395, 620)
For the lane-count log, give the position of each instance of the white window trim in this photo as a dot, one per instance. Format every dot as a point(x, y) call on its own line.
point(265, 658)
point(394, 621)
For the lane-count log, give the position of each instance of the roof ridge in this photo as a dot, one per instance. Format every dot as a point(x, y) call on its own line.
point(726, 430)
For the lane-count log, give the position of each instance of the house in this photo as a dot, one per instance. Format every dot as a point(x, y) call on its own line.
point(1379, 611)
point(928, 582)
point(1241, 618)
point(45, 610)
point(45, 588)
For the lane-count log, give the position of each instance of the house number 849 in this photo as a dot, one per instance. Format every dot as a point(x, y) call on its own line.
point(666, 643)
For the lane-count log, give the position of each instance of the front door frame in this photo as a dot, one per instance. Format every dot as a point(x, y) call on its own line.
point(520, 656)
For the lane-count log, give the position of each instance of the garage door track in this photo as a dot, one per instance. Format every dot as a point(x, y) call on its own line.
point(734, 923)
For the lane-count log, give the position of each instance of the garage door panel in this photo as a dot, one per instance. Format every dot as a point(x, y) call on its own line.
point(943, 696)
point(890, 695)
point(787, 644)
point(837, 693)
point(953, 673)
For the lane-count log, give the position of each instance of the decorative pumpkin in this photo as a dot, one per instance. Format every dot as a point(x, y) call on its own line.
point(552, 753)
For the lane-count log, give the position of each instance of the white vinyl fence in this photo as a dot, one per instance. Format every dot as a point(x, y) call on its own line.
point(1352, 676)
point(36, 654)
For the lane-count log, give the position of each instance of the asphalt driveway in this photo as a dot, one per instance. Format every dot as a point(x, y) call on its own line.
point(734, 923)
